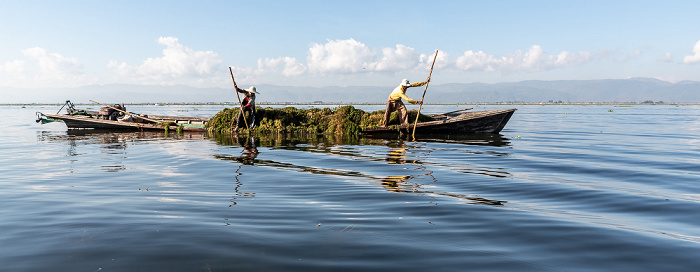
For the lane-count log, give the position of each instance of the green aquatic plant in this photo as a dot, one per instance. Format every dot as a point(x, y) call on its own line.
point(345, 120)
point(166, 126)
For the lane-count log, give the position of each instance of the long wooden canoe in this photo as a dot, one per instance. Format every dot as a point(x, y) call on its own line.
point(477, 122)
point(75, 121)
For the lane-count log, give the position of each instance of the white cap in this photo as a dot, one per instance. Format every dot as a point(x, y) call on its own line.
point(405, 83)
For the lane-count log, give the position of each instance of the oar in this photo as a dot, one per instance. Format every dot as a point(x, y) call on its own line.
point(421, 99)
point(239, 98)
point(149, 119)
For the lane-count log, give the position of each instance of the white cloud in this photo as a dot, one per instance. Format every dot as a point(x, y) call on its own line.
point(394, 60)
point(288, 66)
point(695, 58)
point(53, 64)
point(346, 57)
point(665, 58)
point(477, 61)
point(350, 56)
point(535, 59)
point(442, 61)
point(565, 59)
point(292, 67)
point(269, 64)
point(179, 64)
point(339, 56)
point(43, 69)
point(16, 67)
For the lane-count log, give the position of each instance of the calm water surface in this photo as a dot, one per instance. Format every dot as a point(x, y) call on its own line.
point(562, 188)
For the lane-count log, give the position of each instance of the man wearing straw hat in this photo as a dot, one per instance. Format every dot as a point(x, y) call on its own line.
point(395, 104)
point(248, 104)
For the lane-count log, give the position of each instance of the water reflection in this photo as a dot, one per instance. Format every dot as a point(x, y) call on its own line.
point(410, 165)
point(250, 150)
point(473, 139)
point(398, 153)
point(237, 189)
point(110, 142)
point(299, 141)
point(398, 184)
point(95, 136)
point(396, 156)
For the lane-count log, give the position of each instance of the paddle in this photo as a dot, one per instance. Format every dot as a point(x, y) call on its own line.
point(239, 98)
point(149, 119)
point(421, 99)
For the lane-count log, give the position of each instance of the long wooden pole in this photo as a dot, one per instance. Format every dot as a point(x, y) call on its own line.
point(239, 98)
point(59, 110)
point(421, 99)
point(452, 112)
point(149, 119)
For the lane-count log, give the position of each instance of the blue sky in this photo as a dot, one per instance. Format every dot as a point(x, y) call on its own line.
point(341, 43)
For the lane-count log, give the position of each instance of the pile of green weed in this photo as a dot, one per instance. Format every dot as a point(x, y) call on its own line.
point(342, 120)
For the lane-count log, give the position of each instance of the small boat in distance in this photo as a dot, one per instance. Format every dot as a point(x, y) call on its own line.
point(83, 119)
point(453, 123)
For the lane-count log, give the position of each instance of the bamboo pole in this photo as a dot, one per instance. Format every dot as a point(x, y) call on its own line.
point(424, 91)
point(59, 110)
point(235, 87)
point(452, 112)
point(149, 119)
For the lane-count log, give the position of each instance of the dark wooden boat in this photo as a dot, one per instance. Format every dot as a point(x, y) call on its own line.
point(82, 119)
point(453, 123)
point(90, 122)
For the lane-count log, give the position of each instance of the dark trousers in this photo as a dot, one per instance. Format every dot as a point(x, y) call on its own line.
point(251, 118)
point(395, 105)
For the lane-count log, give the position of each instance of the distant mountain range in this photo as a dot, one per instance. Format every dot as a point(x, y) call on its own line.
point(607, 90)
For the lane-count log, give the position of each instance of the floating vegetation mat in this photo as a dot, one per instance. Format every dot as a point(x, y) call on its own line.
point(342, 120)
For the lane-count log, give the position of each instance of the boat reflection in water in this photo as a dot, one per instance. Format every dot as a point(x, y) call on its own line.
point(391, 152)
point(96, 136)
point(393, 164)
point(111, 142)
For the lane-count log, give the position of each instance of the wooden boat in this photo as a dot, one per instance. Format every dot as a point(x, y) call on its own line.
point(82, 119)
point(453, 123)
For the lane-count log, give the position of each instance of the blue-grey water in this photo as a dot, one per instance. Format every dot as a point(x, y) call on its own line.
point(561, 188)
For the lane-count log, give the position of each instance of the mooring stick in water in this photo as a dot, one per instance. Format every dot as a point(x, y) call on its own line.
point(235, 87)
point(421, 99)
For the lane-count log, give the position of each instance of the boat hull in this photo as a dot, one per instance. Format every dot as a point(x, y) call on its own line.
point(478, 122)
point(89, 122)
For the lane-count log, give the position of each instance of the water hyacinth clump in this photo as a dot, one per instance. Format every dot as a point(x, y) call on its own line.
point(342, 120)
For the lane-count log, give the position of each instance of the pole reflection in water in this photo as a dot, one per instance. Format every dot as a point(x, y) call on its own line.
point(248, 155)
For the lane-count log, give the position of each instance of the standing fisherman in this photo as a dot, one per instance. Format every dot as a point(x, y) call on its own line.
point(248, 104)
point(395, 104)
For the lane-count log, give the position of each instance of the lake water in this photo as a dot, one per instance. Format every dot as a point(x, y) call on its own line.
point(562, 188)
